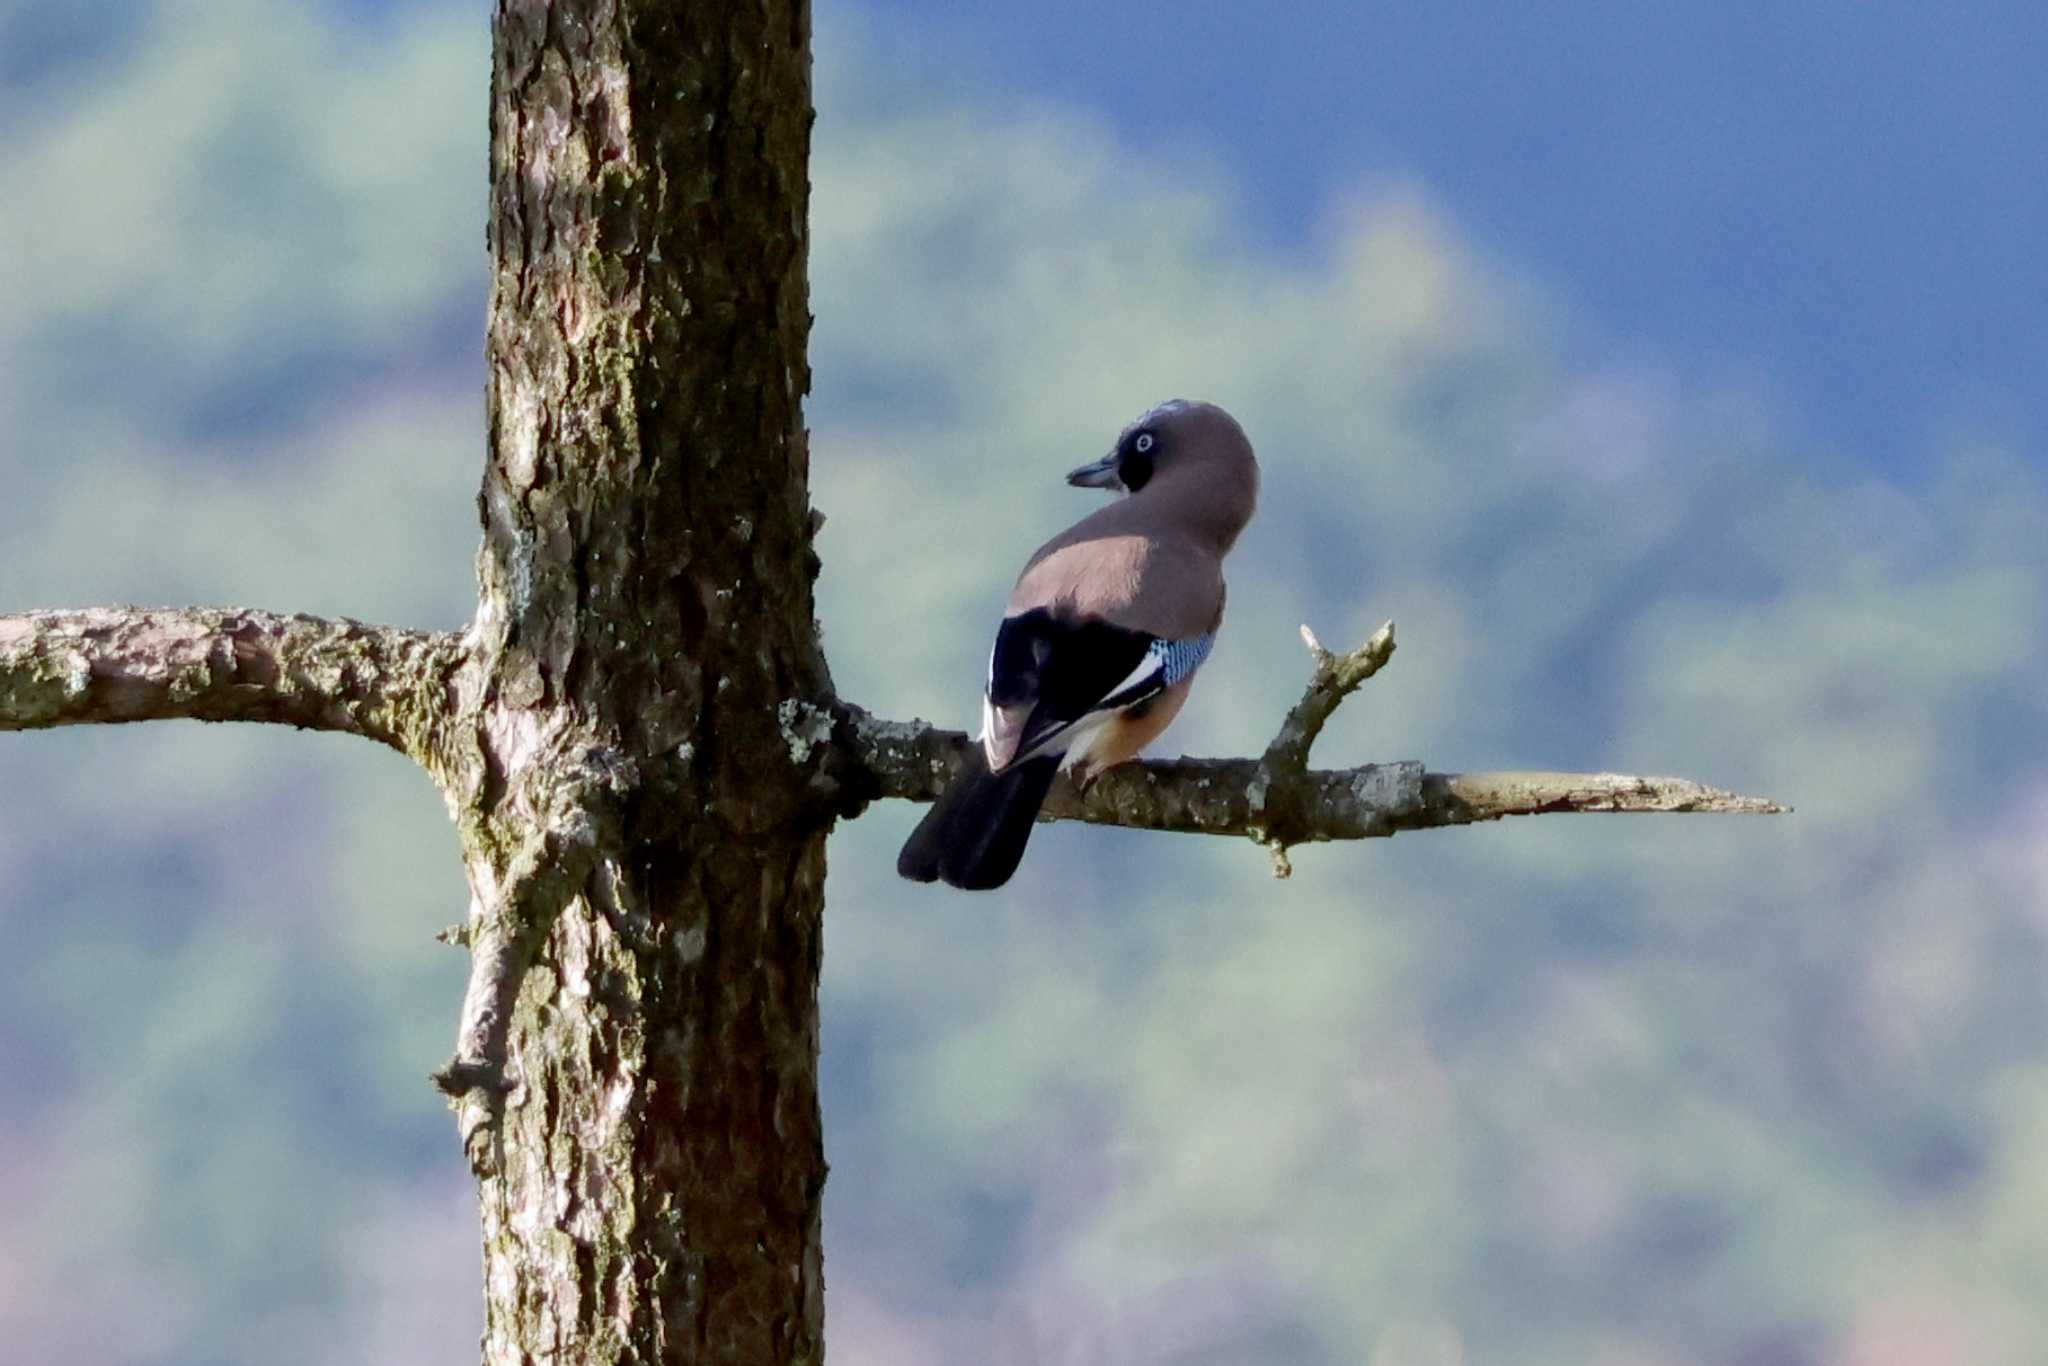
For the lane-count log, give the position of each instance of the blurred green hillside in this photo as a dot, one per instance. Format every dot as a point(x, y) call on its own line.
point(1596, 1090)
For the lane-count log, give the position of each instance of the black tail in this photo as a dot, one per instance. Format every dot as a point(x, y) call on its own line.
point(976, 831)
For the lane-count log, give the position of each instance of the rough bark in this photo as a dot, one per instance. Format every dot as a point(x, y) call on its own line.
point(636, 1069)
point(108, 664)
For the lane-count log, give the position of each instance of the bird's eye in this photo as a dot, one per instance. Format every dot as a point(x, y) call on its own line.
point(1143, 445)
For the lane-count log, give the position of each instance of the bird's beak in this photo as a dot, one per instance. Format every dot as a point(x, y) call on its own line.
point(1099, 475)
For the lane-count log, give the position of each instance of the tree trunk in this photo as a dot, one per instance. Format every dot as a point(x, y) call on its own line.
point(650, 1158)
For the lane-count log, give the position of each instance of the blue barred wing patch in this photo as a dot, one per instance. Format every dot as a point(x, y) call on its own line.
point(1182, 657)
point(1164, 663)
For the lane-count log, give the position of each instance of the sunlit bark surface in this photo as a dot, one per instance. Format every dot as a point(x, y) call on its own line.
point(646, 863)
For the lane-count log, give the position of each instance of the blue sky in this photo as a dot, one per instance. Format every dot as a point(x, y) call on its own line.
point(1844, 199)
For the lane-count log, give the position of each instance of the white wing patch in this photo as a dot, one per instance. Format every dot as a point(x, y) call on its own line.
point(1166, 663)
point(1151, 665)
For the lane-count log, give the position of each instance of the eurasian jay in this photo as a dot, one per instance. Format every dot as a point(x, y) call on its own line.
point(1101, 639)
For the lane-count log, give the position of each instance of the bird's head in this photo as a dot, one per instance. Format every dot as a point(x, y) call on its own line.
point(1186, 452)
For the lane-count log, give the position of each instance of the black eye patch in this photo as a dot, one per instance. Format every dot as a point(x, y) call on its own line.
point(1135, 469)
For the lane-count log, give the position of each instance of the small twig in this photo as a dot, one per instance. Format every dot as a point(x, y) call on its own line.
point(1334, 678)
point(1281, 789)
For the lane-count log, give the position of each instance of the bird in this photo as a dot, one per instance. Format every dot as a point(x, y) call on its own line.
point(1101, 638)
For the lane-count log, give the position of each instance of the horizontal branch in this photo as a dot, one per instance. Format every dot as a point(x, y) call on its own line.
point(114, 664)
point(1276, 800)
point(915, 761)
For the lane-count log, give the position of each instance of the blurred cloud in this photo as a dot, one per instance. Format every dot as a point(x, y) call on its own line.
point(231, 211)
point(411, 1297)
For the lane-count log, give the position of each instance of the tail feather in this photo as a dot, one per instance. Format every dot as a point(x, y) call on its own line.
point(975, 833)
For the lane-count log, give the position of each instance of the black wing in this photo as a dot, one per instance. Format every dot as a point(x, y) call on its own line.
point(1062, 669)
